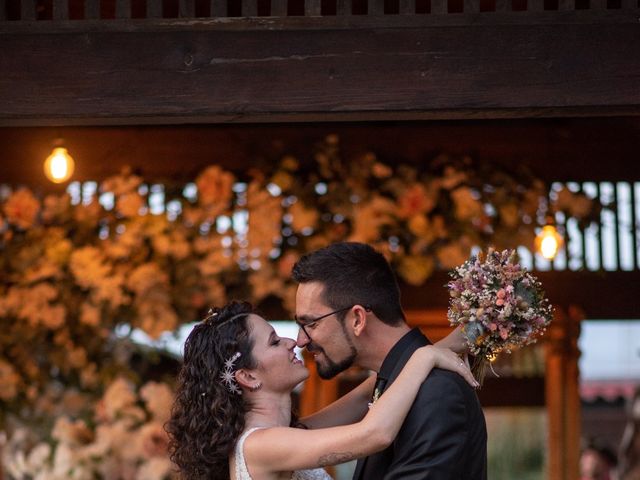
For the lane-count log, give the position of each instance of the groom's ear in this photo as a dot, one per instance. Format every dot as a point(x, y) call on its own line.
point(359, 322)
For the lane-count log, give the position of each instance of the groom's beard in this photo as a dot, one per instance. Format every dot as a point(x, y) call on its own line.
point(329, 369)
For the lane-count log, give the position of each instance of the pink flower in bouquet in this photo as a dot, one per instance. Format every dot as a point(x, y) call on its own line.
point(504, 333)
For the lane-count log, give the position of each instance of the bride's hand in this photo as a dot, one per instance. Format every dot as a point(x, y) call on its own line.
point(449, 360)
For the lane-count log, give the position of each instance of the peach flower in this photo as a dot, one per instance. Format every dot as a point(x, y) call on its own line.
point(414, 200)
point(21, 208)
point(214, 186)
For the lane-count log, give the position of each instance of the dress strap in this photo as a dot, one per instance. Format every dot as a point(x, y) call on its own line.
point(242, 473)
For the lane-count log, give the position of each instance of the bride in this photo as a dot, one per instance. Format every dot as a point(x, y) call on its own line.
point(232, 419)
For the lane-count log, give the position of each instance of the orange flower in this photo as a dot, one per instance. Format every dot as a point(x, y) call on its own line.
point(414, 200)
point(22, 208)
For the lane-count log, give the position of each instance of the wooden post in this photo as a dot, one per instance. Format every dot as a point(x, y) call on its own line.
point(562, 394)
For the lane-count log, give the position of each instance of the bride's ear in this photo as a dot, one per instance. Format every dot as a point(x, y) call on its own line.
point(246, 378)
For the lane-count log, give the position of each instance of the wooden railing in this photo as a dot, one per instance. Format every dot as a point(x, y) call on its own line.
point(61, 10)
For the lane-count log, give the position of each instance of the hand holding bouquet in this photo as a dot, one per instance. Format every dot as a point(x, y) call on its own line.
point(499, 304)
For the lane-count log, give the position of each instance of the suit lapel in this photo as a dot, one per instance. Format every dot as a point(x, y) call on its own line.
point(403, 357)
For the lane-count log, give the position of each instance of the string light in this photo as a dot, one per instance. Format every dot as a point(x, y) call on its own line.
point(549, 242)
point(59, 166)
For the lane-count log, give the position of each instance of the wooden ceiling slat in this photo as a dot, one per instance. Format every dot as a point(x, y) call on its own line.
point(91, 9)
point(187, 8)
point(407, 7)
point(240, 71)
point(535, 5)
point(312, 8)
point(123, 9)
point(279, 8)
point(343, 7)
point(27, 10)
point(376, 7)
point(154, 8)
point(249, 8)
point(219, 8)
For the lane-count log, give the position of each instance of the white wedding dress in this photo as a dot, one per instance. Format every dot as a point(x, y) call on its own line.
point(243, 474)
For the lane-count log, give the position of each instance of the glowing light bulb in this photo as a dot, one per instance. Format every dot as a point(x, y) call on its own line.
point(59, 166)
point(548, 242)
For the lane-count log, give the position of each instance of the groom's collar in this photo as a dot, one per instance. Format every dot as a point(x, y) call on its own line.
point(398, 351)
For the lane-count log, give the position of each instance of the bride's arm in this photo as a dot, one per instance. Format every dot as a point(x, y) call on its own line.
point(283, 449)
point(352, 407)
point(349, 408)
point(454, 341)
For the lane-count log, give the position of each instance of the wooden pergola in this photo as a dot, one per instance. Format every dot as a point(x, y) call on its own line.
point(553, 83)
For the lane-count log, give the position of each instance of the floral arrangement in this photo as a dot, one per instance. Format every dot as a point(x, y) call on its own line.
point(122, 438)
point(499, 304)
point(127, 254)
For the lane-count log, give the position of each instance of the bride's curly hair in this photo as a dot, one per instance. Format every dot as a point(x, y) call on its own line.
point(206, 418)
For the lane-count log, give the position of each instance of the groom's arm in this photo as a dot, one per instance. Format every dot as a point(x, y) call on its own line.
point(348, 409)
point(431, 442)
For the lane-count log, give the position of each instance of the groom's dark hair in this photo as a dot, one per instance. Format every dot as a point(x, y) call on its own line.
point(353, 274)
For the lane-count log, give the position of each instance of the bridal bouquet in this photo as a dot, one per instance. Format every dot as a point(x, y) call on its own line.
point(499, 304)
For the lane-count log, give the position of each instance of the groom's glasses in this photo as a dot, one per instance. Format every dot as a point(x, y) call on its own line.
point(312, 323)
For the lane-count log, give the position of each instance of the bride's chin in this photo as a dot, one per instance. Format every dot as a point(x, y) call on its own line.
point(303, 375)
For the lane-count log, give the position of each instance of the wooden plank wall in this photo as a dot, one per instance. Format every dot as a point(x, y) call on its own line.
point(351, 68)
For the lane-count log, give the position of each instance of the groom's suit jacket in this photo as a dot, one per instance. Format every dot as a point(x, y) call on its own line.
point(444, 436)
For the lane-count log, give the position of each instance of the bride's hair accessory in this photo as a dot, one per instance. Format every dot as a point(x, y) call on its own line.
point(228, 375)
point(213, 315)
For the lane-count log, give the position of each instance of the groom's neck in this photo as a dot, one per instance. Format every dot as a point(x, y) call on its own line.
point(378, 341)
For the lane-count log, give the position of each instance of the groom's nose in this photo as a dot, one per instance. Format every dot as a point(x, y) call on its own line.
point(302, 340)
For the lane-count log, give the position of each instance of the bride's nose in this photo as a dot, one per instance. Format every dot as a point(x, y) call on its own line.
point(291, 343)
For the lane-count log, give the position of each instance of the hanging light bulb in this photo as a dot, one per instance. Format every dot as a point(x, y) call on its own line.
point(549, 242)
point(59, 166)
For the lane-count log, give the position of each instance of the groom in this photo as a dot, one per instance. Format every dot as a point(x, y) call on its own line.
point(349, 313)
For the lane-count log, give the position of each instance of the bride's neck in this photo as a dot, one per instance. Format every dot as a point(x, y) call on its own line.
point(269, 410)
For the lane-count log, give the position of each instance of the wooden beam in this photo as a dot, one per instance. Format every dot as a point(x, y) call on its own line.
point(345, 68)
point(563, 288)
point(552, 148)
